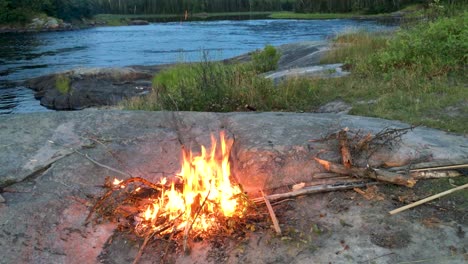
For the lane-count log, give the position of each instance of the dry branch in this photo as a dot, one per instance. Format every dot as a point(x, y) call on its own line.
point(376, 174)
point(314, 189)
point(425, 200)
point(435, 174)
point(142, 248)
point(344, 149)
point(433, 165)
point(272, 215)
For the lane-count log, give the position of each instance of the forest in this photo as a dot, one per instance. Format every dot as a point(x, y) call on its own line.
point(23, 10)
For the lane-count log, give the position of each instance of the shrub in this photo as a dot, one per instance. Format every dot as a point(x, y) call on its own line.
point(208, 86)
point(435, 48)
point(266, 60)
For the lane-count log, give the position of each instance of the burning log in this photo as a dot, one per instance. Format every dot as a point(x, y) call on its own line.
point(376, 174)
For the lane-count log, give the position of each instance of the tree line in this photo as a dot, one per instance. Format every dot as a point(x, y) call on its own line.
point(22, 10)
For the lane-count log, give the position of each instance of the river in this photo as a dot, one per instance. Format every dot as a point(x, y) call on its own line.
point(23, 56)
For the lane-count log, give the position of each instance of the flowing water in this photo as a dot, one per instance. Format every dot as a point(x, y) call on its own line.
point(23, 56)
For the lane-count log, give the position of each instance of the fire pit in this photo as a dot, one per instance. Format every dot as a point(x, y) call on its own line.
point(198, 202)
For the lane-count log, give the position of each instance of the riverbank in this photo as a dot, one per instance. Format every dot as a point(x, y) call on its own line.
point(120, 20)
point(415, 76)
point(391, 77)
point(43, 23)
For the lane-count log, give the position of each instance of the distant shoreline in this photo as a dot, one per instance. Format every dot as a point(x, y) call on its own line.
point(106, 20)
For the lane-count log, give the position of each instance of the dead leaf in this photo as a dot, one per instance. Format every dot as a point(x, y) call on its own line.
point(298, 186)
point(431, 222)
point(371, 193)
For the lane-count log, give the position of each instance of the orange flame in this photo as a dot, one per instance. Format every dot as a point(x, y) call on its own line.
point(207, 190)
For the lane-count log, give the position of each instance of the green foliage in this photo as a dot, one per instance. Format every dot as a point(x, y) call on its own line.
point(266, 60)
point(62, 84)
point(434, 48)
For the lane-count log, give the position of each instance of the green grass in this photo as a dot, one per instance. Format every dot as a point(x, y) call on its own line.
point(355, 45)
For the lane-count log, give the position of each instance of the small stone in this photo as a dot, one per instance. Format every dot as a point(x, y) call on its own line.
point(2, 200)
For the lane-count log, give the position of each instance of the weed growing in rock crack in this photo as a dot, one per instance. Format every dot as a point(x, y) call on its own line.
point(62, 84)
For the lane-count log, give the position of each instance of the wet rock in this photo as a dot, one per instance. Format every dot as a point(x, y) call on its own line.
point(90, 87)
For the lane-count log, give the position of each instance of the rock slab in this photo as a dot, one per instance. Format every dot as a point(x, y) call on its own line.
point(49, 185)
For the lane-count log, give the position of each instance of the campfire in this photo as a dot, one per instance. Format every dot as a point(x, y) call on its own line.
point(195, 202)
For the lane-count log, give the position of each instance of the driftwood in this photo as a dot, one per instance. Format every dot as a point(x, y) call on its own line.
point(344, 149)
point(314, 189)
point(425, 200)
point(376, 174)
point(272, 215)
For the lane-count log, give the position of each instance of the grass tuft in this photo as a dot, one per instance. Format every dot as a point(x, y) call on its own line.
point(62, 84)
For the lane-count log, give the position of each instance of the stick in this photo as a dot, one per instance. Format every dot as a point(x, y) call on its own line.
point(435, 174)
point(425, 200)
point(375, 174)
point(140, 252)
point(314, 189)
point(93, 161)
point(272, 215)
point(461, 166)
point(344, 149)
point(434, 165)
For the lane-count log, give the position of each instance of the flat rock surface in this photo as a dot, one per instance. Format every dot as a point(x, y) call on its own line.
point(49, 186)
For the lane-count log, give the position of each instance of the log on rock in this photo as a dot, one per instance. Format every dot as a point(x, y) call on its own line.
point(376, 174)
